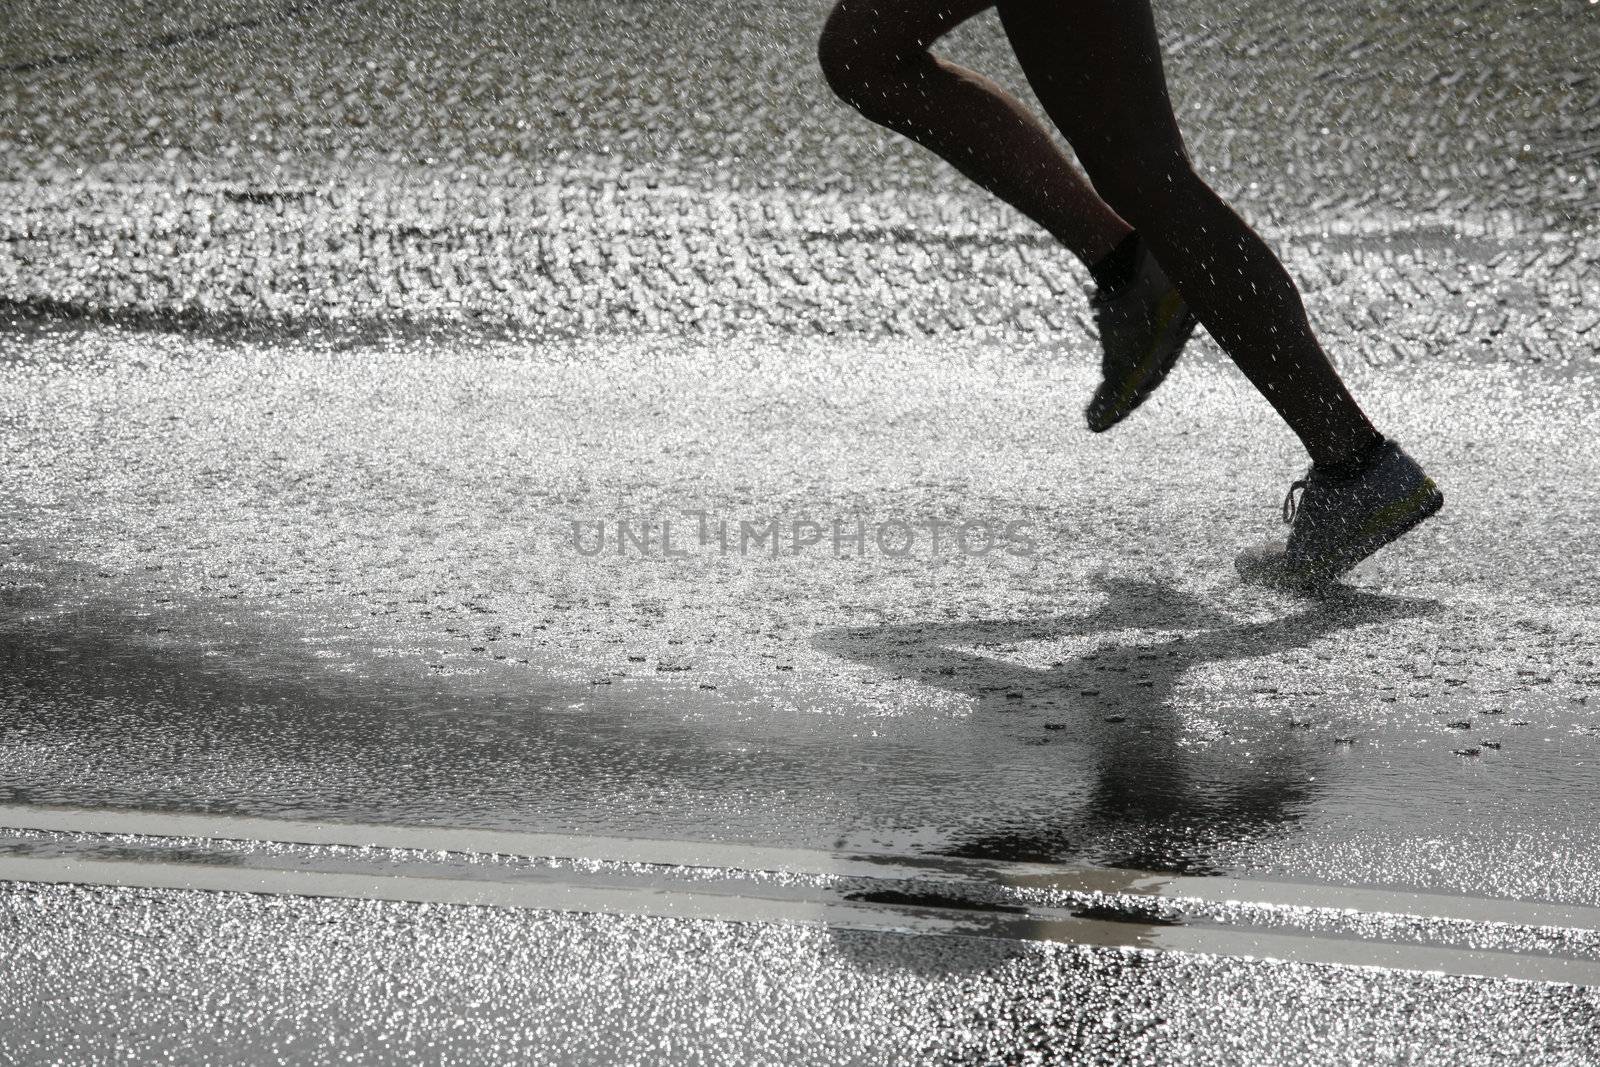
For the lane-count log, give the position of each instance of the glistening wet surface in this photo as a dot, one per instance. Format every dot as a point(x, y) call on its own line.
point(203, 615)
point(299, 974)
point(321, 324)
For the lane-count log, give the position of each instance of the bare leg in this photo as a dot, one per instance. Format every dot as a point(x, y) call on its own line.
point(875, 56)
point(1096, 67)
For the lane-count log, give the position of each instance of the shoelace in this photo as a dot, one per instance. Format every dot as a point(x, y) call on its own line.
point(1290, 506)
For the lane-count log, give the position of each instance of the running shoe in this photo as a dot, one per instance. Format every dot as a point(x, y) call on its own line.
point(1143, 325)
point(1340, 521)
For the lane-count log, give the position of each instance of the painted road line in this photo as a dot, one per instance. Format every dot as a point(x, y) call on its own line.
point(715, 854)
point(733, 856)
point(654, 902)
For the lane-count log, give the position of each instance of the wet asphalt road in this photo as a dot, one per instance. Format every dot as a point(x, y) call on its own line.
point(326, 324)
point(339, 585)
point(281, 569)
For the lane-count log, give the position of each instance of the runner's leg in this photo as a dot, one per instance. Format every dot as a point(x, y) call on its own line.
point(875, 55)
point(1096, 67)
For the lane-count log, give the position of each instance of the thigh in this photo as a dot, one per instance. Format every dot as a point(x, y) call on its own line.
point(898, 26)
point(1096, 67)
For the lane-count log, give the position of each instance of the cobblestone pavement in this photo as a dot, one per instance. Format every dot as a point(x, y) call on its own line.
point(1430, 176)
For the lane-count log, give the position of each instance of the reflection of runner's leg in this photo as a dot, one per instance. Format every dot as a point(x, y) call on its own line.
point(875, 55)
point(1096, 67)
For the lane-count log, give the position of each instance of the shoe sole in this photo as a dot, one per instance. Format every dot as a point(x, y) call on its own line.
point(1146, 379)
point(1321, 578)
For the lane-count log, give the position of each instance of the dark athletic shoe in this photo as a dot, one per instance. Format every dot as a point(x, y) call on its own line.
point(1143, 326)
point(1341, 521)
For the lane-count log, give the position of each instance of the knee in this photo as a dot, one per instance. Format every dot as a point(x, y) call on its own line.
point(858, 64)
point(844, 61)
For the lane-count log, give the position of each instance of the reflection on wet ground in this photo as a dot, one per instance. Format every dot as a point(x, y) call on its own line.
point(1160, 796)
point(1064, 905)
point(277, 579)
point(96, 716)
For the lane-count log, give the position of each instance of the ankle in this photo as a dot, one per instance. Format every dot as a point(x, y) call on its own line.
point(1351, 461)
point(1117, 267)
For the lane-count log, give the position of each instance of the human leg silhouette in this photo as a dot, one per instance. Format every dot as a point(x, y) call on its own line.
point(1096, 67)
point(875, 56)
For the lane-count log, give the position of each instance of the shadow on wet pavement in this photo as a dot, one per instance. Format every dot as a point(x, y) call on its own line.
point(100, 715)
point(1147, 784)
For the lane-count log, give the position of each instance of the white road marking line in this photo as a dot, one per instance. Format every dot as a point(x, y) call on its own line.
point(1042, 924)
point(758, 858)
point(673, 904)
